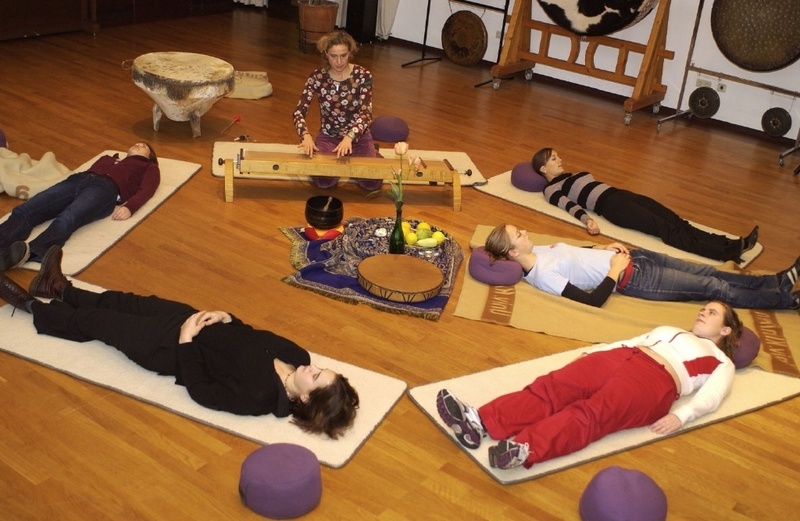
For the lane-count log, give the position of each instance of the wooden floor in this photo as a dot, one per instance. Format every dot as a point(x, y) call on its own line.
point(74, 451)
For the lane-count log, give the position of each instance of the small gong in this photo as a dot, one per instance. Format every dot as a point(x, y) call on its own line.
point(776, 121)
point(464, 38)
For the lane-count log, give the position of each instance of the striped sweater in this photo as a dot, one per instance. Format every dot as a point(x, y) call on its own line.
point(576, 193)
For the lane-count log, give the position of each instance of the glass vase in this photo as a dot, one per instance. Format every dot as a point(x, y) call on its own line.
point(397, 242)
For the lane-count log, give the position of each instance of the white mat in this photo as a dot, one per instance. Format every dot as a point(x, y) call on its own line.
point(752, 389)
point(500, 186)
point(105, 366)
point(92, 240)
point(470, 175)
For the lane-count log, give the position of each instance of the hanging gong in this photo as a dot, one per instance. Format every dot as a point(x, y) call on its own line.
point(464, 38)
point(776, 122)
point(704, 102)
point(760, 36)
point(596, 17)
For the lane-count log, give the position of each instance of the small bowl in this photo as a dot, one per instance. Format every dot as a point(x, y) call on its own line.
point(322, 218)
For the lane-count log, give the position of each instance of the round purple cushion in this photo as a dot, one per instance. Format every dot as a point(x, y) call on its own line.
point(525, 178)
point(281, 481)
point(617, 494)
point(3, 143)
point(389, 128)
point(499, 273)
point(749, 345)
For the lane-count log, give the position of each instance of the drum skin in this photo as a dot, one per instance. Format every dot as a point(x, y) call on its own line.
point(400, 278)
point(596, 17)
point(759, 36)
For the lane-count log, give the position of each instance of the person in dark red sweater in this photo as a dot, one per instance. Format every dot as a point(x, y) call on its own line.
point(111, 186)
point(224, 363)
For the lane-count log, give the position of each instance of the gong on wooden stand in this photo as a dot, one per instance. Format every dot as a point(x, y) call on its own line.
point(400, 278)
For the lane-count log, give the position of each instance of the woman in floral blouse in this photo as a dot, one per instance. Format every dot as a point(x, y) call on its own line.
point(344, 91)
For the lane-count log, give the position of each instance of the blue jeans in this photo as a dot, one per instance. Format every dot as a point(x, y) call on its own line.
point(76, 201)
point(660, 277)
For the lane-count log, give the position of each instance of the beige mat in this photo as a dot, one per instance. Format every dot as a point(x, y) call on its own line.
point(469, 173)
point(524, 307)
point(105, 366)
point(752, 389)
point(500, 186)
point(250, 85)
point(92, 240)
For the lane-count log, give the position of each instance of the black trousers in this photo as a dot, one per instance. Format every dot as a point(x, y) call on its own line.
point(145, 329)
point(641, 213)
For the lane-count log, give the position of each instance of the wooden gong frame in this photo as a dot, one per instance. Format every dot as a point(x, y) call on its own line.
point(517, 56)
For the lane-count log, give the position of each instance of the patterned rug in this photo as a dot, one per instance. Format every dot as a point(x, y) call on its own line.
point(330, 267)
point(524, 307)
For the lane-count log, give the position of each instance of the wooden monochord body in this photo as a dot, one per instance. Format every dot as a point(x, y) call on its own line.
point(250, 164)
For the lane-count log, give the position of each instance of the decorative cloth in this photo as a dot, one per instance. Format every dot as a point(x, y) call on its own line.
point(330, 268)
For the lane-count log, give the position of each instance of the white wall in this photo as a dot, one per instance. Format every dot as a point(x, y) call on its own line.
point(740, 104)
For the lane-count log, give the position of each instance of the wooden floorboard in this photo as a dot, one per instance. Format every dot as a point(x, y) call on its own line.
point(71, 450)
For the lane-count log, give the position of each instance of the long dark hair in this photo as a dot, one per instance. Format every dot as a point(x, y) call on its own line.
point(330, 410)
point(540, 158)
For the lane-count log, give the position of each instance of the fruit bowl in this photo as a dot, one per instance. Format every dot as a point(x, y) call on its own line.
point(427, 248)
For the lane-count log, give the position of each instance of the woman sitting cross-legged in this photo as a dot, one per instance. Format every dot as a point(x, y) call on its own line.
point(224, 363)
point(591, 275)
point(627, 384)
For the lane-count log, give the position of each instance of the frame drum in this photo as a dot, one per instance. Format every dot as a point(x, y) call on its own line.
point(400, 278)
point(758, 36)
point(596, 17)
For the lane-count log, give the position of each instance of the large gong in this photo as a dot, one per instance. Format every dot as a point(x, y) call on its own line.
point(757, 35)
point(464, 38)
point(596, 17)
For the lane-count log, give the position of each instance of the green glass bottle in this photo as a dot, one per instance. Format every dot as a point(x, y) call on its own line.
point(397, 242)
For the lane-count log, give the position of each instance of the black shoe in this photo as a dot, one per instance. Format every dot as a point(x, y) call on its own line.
point(749, 242)
point(789, 277)
point(50, 282)
point(16, 255)
point(14, 294)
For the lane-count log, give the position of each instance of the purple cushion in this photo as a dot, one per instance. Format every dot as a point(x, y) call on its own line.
point(617, 494)
point(281, 481)
point(499, 273)
point(389, 128)
point(749, 345)
point(525, 178)
point(3, 142)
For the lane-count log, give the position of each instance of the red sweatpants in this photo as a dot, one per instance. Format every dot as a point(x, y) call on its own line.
point(595, 395)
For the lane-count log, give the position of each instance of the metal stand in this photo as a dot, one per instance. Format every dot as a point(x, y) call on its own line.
point(678, 111)
point(496, 81)
point(424, 41)
point(792, 150)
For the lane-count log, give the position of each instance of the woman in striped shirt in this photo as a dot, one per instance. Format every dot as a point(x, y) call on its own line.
point(579, 192)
